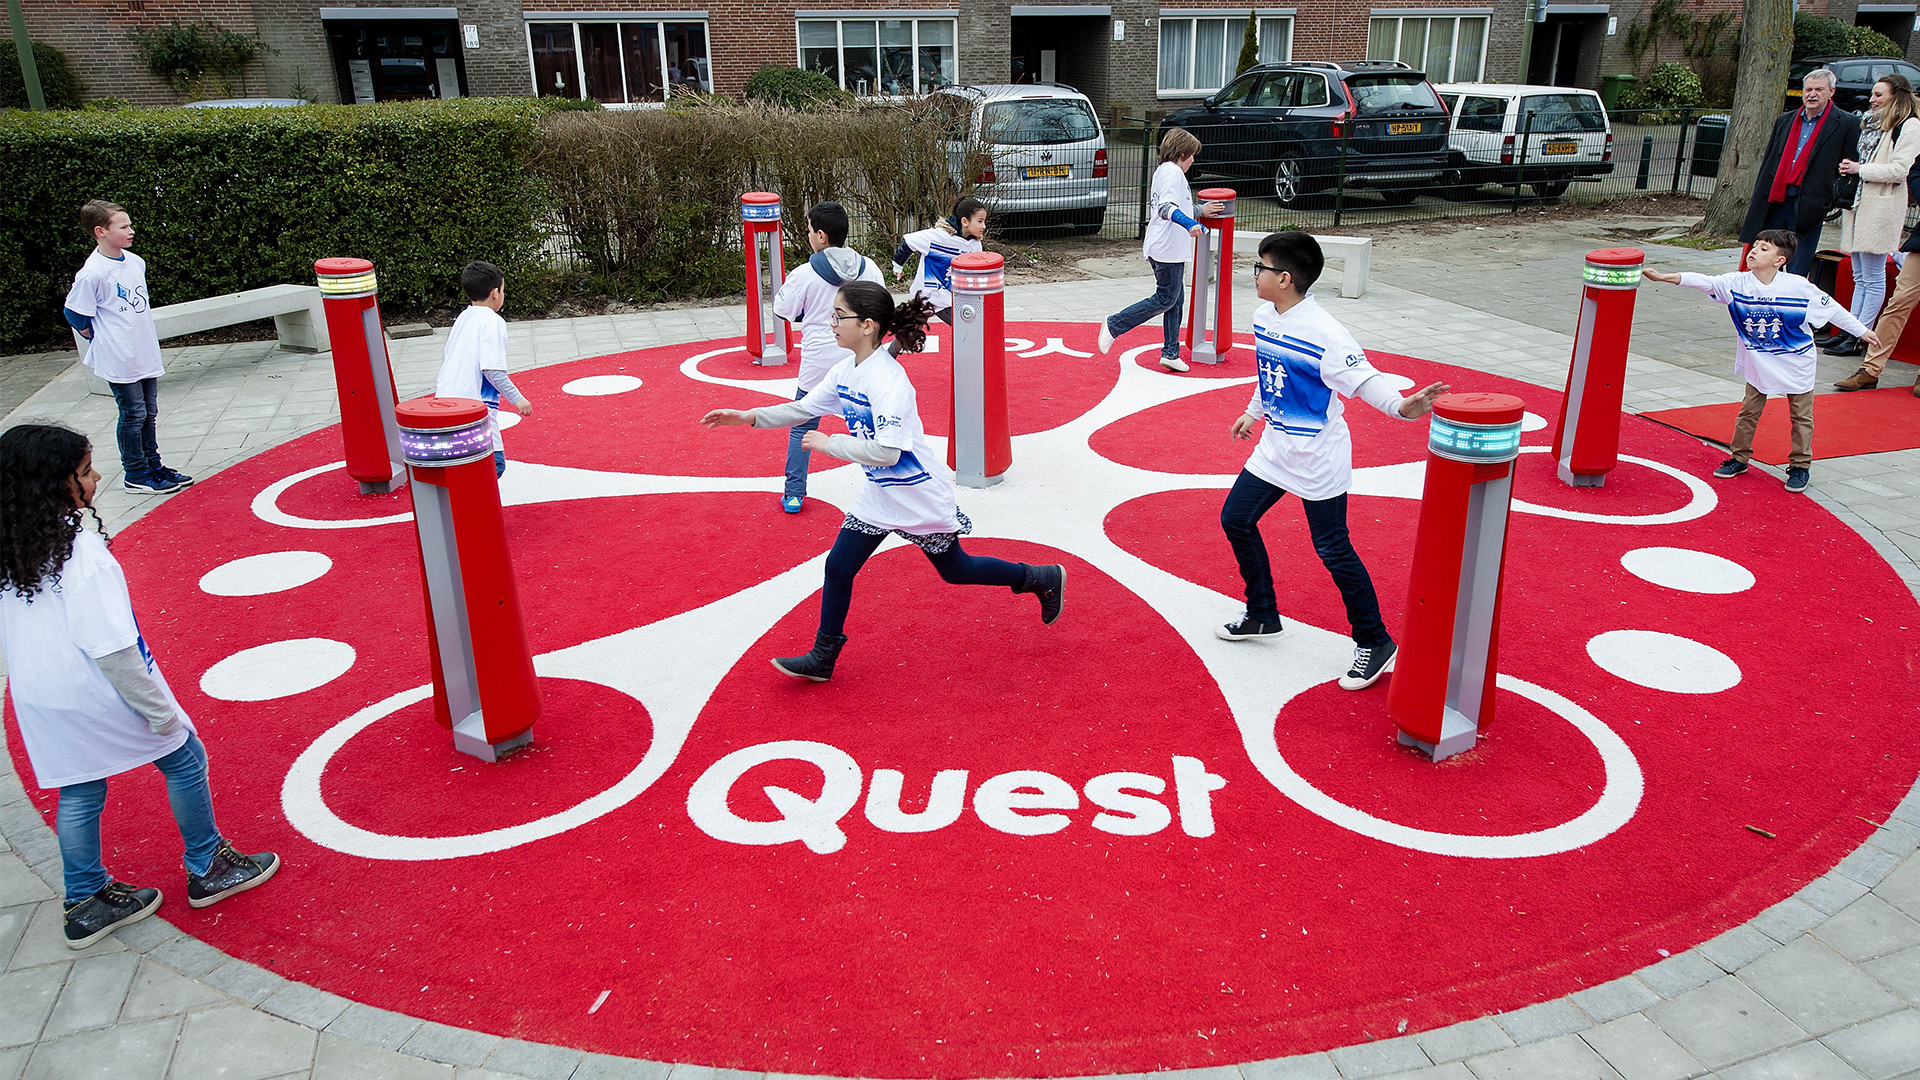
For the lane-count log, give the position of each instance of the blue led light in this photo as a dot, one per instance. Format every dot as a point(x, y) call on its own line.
point(1474, 442)
point(759, 211)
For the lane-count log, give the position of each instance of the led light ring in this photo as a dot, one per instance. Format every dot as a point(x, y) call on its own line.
point(440, 448)
point(348, 285)
point(752, 209)
point(984, 281)
point(1609, 276)
point(1507, 449)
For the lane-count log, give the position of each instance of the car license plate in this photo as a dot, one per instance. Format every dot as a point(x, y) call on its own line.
point(1560, 148)
point(1403, 129)
point(1036, 172)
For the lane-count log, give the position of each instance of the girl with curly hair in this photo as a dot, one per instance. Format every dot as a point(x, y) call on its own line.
point(906, 491)
point(88, 696)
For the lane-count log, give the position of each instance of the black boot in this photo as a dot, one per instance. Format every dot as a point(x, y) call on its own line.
point(1049, 584)
point(816, 666)
point(1848, 345)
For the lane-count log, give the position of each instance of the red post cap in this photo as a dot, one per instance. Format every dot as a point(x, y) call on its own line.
point(760, 198)
point(1217, 194)
point(977, 261)
point(1479, 408)
point(342, 267)
point(1617, 256)
point(434, 413)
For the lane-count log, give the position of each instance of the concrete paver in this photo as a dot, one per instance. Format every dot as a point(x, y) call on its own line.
point(1817, 988)
point(1638, 1050)
point(238, 1043)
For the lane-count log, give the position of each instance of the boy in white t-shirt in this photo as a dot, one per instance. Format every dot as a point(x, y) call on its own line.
point(1774, 315)
point(806, 297)
point(109, 306)
point(476, 357)
point(1307, 362)
point(1168, 247)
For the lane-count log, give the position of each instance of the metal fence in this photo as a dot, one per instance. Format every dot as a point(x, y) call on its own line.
point(1328, 181)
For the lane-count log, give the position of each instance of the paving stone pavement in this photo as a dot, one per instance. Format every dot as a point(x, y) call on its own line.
point(1825, 983)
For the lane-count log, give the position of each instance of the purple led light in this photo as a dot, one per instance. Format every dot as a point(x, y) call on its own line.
point(447, 446)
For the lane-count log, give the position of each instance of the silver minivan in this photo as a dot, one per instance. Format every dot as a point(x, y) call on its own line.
point(1545, 136)
point(1046, 154)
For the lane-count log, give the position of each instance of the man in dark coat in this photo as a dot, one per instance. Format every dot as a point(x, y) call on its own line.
point(1795, 183)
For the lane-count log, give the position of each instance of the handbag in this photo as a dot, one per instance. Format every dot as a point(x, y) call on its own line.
point(1846, 192)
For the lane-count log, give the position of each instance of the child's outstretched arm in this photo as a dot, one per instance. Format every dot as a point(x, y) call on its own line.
point(1665, 279)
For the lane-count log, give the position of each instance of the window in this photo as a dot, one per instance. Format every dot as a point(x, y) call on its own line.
point(1563, 114)
point(1198, 55)
point(621, 63)
point(1448, 48)
point(880, 56)
point(1482, 114)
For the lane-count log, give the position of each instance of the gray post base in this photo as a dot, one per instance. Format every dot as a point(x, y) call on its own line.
point(969, 480)
point(381, 487)
point(1457, 733)
point(1204, 353)
point(1581, 479)
point(470, 737)
point(771, 358)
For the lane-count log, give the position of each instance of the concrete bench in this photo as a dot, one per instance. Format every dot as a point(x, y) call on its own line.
point(298, 319)
point(1354, 253)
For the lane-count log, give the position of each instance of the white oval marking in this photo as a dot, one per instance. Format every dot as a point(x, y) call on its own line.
point(1532, 421)
point(278, 669)
point(602, 385)
point(508, 418)
point(1669, 662)
point(257, 575)
point(1687, 570)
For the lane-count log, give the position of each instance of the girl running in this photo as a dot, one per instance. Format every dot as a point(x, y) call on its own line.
point(905, 492)
point(89, 698)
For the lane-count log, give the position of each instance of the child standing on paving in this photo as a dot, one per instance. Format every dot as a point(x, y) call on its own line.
point(1168, 247)
point(1307, 362)
point(938, 247)
point(109, 306)
point(476, 358)
point(807, 298)
point(88, 695)
point(1774, 316)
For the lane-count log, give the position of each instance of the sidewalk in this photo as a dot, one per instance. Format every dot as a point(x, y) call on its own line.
point(1824, 984)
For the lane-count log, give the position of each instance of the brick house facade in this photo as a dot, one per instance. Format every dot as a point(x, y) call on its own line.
point(628, 50)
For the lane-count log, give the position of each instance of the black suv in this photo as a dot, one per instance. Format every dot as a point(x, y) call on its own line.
point(1287, 124)
point(1857, 74)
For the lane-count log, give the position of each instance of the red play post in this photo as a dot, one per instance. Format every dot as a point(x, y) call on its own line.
point(767, 334)
point(362, 374)
point(1586, 444)
point(1209, 344)
point(981, 449)
point(1443, 676)
point(484, 687)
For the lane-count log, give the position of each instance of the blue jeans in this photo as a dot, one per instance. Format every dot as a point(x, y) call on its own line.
point(139, 404)
point(1782, 215)
point(798, 458)
point(78, 820)
point(499, 464)
point(1251, 498)
point(1169, 289)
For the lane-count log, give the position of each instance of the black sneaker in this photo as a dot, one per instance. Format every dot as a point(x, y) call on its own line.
point(1730, 468)
point(1368, 666)
point(177, 479)
point(229, 873)
point(1796, 480)
point(117, 905)
point(1247, 627)
point(1049, 583)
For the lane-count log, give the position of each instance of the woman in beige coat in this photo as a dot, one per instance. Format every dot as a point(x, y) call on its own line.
point(1889, 142)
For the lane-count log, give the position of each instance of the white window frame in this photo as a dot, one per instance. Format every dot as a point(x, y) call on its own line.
point(1420, 63)
point(1222, 15)
point(620, 20)
point(876, 17)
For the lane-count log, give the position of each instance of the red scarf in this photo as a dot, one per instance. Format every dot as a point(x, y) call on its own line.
point(1793, 169)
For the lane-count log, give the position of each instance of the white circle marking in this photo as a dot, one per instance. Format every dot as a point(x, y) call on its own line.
point(601, 385)
point(278, 669)
point(272, 572)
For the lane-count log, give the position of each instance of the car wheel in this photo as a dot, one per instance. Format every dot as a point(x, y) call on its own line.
point(1400, 196)
point(1552, 189)
point(1290, 180)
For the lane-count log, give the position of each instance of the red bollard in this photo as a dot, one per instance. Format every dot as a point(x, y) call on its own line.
point(981, 449)
point(1443, 676)
point(1212, 283)
point(1586, 444)
point(768, 340)
point(484, 687)
point(362, 374)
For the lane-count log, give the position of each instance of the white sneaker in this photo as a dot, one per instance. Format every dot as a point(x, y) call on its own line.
point(1106, 338)
point(1173, 363)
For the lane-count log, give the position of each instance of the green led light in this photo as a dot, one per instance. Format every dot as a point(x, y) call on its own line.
point(1474, 442)
point(1612, 277)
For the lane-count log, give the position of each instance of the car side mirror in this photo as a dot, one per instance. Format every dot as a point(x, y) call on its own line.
point(1210, 102)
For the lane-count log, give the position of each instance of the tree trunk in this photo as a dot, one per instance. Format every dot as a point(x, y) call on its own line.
point(1766, 51)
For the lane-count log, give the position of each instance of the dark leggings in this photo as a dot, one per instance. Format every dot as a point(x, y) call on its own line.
point(851, 549)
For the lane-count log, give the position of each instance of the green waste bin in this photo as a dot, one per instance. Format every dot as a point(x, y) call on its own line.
point(1709, 138)
point(1613, 87)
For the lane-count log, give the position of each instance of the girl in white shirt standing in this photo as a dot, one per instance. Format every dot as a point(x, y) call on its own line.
point(907, 492)
point(89, 698)
point(1168, 247)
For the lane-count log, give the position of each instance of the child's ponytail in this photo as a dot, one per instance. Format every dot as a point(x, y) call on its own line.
point(907, 322)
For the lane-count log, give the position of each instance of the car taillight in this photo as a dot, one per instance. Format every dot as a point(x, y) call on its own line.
point(1100, 162)
point(1339, 125)
point(986, 174)
point(1506, 151)
point(1608, 154)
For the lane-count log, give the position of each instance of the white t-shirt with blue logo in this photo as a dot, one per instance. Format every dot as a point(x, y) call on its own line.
point(938, 248)
point(477, 343)
point(1775, 322)
point(877, 400)
point(113, 293)
point(1307, 362)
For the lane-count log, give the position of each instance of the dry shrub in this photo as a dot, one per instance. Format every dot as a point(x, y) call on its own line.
point(649, 200)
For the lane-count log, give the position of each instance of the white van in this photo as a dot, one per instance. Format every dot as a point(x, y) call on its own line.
point(1047, 155)
point(1563, 132)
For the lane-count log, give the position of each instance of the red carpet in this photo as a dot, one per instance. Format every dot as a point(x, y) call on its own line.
point(1863, 422)
point(1123, 941)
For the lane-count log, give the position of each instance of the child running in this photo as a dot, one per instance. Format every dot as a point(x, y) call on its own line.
point(1168, 246)
point(1307, 362)
point(938, 247)
point(475, 363)
point(87, 693)
point(905, 492)
point(1774, 316)
point(807, 298)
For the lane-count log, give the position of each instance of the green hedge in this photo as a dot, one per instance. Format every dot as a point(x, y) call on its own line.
point(231, 199)
point(58, 84)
